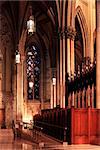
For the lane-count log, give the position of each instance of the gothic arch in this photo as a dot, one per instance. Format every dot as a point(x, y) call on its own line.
point(7, 65)
point(84, 29)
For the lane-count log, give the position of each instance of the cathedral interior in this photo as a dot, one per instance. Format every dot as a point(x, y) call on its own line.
point(50, 68)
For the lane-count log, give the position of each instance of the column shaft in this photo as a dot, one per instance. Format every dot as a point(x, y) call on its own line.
point(20, 91)
point(63, 98)
point(98, 57)
point(61, 72)
point(68, 56)
point(51, 95)
point(58, 84)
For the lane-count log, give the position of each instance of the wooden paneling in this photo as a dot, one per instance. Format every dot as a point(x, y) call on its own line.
point(82, 124)
point(85, 126)
point(2, 117)
point(93, 126)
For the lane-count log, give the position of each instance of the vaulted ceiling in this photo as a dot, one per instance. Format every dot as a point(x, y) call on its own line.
point(45, 12)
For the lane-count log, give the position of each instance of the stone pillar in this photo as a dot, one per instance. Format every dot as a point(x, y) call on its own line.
point(53, 88)
point(98, 57)
point(54, 92)
point(56, 36)
point(58, 75)
point(63, 52)
point(70, 35)
point(68, 13)
point(20, 100)
point(51, 102)
point(42, 95)
point(2, 110)
point(72, 57)
point(58, 83)
point(61, 70)
point(68, 56)
point(91, 19)
point(20, 78)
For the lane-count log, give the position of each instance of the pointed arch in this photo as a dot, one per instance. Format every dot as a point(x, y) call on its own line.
point(84, 29)
point(58, 11)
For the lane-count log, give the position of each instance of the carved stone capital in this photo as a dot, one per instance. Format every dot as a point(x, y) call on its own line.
point(70, 32)
point(63, 34)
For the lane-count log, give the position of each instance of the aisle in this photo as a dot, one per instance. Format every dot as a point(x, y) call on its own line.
point(24, 145)
point(7, 142)
point(18, 144)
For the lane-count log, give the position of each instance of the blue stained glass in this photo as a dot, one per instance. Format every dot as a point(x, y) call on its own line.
point(33, 71)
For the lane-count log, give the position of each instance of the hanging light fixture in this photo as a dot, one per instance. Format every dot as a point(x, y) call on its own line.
point(17, 57)
point(31, 23)
point(54, 81)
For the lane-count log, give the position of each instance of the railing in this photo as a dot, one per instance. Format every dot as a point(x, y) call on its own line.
point(27, 131)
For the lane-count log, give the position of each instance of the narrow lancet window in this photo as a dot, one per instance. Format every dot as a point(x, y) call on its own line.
point(33, 72)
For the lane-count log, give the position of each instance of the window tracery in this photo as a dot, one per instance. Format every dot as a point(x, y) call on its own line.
point(33, 72)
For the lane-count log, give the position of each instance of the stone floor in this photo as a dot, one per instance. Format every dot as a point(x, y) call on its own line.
point(19, 144)
point(23, 145)
point(7, 142)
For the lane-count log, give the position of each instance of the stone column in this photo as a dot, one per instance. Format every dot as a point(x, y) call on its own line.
point(98, 57)
point(91, 16)
point(72, 57)
point(58, 74)
point(68, 13)
point(42, 95)
point(2, 110)
point(68, 56)
point(51, 102)
point(54, 92)
point(20, 78)
point(1, 104)
point(70, 35)
point(53, 88)
point(56, 37)
point(61, 70)
point(58, 83)
point(20, 90)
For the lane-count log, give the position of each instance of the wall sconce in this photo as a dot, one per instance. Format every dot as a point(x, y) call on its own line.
point(54, 81)
point(17, 57)
point(31, 23)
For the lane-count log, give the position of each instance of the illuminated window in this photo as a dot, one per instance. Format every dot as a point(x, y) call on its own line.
point(33, 72)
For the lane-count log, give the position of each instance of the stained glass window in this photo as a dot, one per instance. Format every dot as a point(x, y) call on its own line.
point(33, 72)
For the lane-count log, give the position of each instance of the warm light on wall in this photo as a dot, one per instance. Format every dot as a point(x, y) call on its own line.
point(27, 118)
